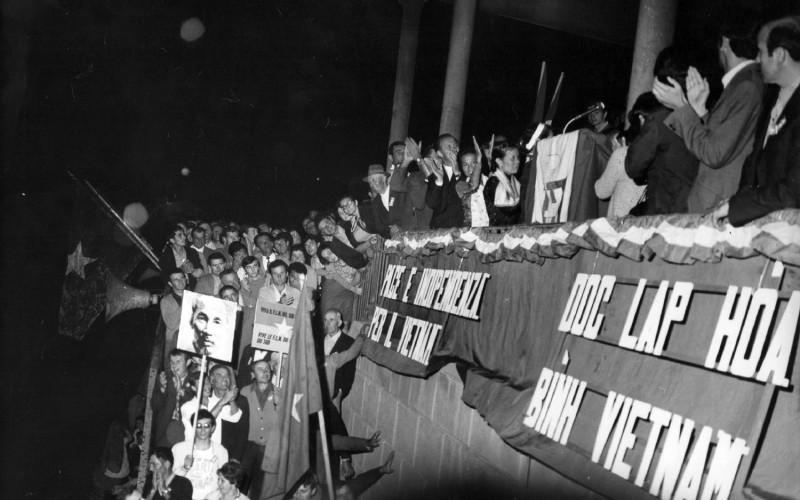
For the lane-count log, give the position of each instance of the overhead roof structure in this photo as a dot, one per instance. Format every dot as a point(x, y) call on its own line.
point(612, 21)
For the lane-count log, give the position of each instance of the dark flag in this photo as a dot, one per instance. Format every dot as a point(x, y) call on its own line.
point(300, 397)
point(99, 254)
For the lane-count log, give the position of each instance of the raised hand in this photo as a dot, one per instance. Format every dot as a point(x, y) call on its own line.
point(697, 90)
point(618, 142)
point(670, 95)
point(413, 149)
point(478, 153)
point(231, 394)
point(475, 178)
point(435, 167)
point(451, 159)
point(374, 441)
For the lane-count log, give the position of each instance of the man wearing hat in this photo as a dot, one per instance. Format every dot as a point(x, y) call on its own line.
point(384, 214)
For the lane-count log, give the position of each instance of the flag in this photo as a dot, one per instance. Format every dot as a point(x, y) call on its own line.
point(300, 397)
point(98, 253)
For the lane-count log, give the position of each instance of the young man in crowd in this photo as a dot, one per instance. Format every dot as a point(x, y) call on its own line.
point(170, 393)
point(198, 460)
point(170, 306)
point(199, 246)
point(283, 242)
point(211, 283)
point(278, 291)
point(177, 254)
point(166, 485)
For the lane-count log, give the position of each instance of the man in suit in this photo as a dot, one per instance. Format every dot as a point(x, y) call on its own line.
point(170, 306)
point(210, 284)
point(723, 138)
point(178, 254)
point(199, 246)
point(441, 197)
point(385, 211)
point(771, 174)
point(338, 341)
point(168, 396)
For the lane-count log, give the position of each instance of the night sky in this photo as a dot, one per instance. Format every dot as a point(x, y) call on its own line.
point(277, 109)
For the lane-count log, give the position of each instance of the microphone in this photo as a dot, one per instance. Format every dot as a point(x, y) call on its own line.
point(597, 107)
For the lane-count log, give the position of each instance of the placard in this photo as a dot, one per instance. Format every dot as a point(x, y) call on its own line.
point(207, 326)
point(273, 326)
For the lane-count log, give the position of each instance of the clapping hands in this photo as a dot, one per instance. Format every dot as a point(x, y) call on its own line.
point(697, 90)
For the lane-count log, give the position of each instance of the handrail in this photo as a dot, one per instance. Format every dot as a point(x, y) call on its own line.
point(156, 360)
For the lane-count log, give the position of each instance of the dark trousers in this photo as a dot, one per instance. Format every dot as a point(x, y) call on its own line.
point(251, 465)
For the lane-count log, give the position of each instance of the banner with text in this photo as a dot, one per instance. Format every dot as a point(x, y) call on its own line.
point(658, 377)
point(272, 329)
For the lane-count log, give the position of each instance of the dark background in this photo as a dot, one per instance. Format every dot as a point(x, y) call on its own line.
point(276, 110)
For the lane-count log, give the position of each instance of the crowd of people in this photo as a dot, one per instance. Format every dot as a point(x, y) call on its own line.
point(738, 159)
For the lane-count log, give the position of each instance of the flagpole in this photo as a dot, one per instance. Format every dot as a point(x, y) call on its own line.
point(120, 222)
point(325, 453)
point(203, 364)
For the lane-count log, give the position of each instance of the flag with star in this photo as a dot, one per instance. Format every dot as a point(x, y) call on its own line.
point(98, 251)
point(300, 397)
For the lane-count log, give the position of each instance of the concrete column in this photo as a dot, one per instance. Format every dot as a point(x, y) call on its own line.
point(654, 32)
point(455, 84)
point(406, 63)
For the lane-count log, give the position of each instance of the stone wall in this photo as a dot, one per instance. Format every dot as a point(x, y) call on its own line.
point(443, 448)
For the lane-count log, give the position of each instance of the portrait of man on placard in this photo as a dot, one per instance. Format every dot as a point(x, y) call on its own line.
point(207, 326)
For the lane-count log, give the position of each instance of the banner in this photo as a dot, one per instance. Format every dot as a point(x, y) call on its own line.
point(635, 377)
point(273, 327)
point(207, 326)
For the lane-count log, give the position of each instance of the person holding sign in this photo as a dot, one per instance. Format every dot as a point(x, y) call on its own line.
point(278, 291)
point(200, 458)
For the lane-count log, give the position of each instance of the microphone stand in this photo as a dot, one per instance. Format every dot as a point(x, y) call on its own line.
point(597, 107)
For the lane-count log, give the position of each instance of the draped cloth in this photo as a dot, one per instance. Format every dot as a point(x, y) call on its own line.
point(591, 156)
point(507, 192)
point(555, 164)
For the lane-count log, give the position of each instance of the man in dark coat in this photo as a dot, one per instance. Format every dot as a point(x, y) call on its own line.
point(338, 341)
point(661, 157)
point(441, 197)
point(384, 214)
point(168, 396)
point(771, 175)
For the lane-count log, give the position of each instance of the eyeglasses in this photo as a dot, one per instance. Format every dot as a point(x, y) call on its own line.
point(205, 426)
point(346, 204)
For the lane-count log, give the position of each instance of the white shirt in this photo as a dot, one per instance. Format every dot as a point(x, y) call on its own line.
point(188, 408)
point(269, 293)
point(330, 341)
point(448, 173)
point(385, 198)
